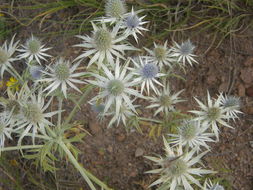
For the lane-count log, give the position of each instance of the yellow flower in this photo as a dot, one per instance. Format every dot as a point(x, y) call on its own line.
point(13, 84)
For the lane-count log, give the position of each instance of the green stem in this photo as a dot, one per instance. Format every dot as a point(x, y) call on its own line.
point(86, 174)
point(15, 74)
point(59, 109)
point(20, 147)
point(87, 91)
point(148, 119)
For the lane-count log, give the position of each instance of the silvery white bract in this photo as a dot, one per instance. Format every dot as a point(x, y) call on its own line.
point(133, 24)
point(161, 55)
point(184, 52)
point(124, 113)
point(165, 101)
point(177, 168)
point(62, 74)
point(6, 55)
point(208, 185)
point(232, 104)
point(32, 114)
point(193, 134)
point(212, 114)
point(33, 49)
point(115, 88)
point(147, 74)
point(103, 45)
point(6, 128)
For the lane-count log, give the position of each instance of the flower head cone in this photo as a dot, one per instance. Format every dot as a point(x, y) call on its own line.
point(193, 134)
point(184, 52)
point(165, 101)
point(6, 55)
point(5, 129)
point(11, 106)
point(232, 104)
point(133, 24)
point(62, 74)
point(116, 88)
point(208, 185)
point(33, 116)
point(147, 74)
point(177, 168)
point(161, 55)
point(114, 10)
point(103, 45)
point(212, 114)
point(33, 49)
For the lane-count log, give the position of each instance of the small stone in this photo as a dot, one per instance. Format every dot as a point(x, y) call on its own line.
point(249, 91)
point(139, 152)
point(241, 90)
point(121, 137)
point(248, 110)
point(110, 149)
point(249, 61)
point(247, 75)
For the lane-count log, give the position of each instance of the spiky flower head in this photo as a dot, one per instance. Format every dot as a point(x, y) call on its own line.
point(6, 55)
point(165, 101)
point(212, 114)
point(35, 71)
point(124, 113)
point(103, 45)
point(115, 9)
point(208, 185)
point(62, 74)
point(184, 52)
point(176, 168)
point(133, 24)
point(33, 49)
point(161, 55)
point(115, 88)
point(146, 73)
point(32, 114)
point(193, 134)
point(232, 104)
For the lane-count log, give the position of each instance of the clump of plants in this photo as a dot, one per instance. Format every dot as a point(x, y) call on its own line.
point(33, 105)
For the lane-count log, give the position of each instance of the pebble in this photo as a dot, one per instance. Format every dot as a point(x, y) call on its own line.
point(249, 61)
point(139, 152)
point(247, 75)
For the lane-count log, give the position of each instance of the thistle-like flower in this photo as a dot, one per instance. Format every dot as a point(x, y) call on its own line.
point(62, 74)
point(132, 24)
point(33, 49)
point(114, 10)
point(176, 168)
point(210, 186)
point(212, 114)
point(33, 116)
point(193, 134)
point(5, 129)
point(35, 71)
point(124, 113)
point(116, 88)
point(232, 104)
point(146, 73)
point(103, 45)
point(6, 53)
point(184, 52)
point(165, 101)
point(161, 55)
